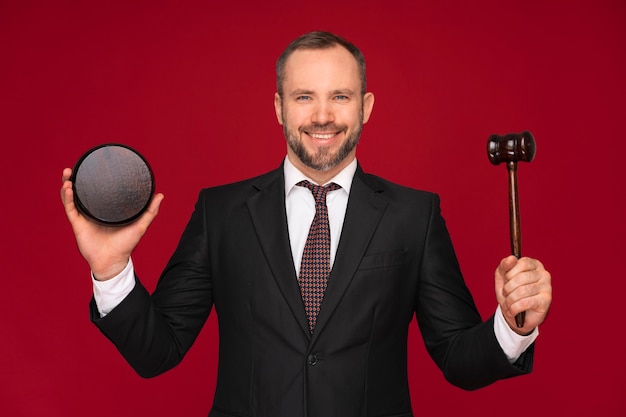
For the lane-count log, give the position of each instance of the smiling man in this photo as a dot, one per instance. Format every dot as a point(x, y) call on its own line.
point(315, 269)
point(322, 109)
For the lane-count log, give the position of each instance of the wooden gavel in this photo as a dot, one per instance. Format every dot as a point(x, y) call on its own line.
point(512, 148)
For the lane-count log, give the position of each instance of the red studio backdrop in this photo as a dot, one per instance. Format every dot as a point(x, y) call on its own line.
point(190, 85)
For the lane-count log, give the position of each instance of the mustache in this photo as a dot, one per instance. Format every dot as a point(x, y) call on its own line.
point(323, 128)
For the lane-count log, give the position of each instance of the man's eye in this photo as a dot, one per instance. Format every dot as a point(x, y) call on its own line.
point(341, 97)
point(303, 98)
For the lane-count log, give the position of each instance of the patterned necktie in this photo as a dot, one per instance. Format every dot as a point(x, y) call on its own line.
point(315, 266)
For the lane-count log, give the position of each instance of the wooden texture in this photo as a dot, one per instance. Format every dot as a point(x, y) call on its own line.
point(512, 148)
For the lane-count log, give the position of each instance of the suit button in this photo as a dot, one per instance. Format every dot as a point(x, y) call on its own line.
point(312, 359)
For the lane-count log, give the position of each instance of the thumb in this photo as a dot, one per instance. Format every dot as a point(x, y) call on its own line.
point(506, 264)
point(153, 209)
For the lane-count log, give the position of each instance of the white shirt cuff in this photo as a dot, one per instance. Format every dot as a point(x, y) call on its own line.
point(511, 343)
point(108, 294)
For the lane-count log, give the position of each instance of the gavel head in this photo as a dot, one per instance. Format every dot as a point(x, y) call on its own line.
point(512, 147)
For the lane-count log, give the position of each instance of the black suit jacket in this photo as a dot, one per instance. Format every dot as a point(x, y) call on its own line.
point(394, 261)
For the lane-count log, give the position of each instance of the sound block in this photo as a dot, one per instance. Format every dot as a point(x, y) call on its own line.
point(113, 184)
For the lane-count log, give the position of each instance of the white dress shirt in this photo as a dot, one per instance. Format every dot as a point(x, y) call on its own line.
point(300, 207)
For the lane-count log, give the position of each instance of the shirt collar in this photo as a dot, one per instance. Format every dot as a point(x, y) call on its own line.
point(294, 176)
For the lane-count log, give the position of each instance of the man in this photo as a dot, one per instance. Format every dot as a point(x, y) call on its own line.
point(292, 343)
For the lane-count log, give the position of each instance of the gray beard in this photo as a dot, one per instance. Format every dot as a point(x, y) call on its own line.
point(323, 159)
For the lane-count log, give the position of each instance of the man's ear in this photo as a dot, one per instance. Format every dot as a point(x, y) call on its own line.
point(368, 105)
point(278, 108)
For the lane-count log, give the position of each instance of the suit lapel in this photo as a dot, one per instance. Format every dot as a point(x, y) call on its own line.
point(267, 210)
point(365, 208)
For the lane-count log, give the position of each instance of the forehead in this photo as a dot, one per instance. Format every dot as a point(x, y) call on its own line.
point(330, 68)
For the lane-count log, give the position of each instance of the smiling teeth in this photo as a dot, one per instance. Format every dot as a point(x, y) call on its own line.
point(322, 136)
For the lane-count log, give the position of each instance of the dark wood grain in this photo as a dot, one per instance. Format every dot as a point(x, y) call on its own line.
point(512, 148)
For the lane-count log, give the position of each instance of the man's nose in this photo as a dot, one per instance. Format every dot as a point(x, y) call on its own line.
point(323, 113)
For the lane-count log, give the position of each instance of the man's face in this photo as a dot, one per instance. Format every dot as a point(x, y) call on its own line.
point(322, 110)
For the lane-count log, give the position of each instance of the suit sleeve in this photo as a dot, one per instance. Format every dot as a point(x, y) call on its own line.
point(462, 345)
point(153, 333)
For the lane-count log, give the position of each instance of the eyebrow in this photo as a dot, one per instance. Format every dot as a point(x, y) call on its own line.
point(345, 91)
point(302, 91)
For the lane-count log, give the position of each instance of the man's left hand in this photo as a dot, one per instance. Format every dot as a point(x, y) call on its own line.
point(523, 285)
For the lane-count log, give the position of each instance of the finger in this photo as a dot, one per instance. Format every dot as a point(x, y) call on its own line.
point(67, 194)
point(67, 173)
point(507, 263)
point(153, 209)
point(67, 184)
point(536, 307)
point(504, 267)
point(531, 287)
point(522, 284)
point(67, 197)
point(524, 264)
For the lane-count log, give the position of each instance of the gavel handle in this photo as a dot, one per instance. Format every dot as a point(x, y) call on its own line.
point(516, 231)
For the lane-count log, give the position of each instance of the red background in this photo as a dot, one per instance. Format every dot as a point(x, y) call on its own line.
point(190, 85)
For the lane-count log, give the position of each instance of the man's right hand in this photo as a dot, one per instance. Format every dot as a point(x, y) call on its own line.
point(106, 249)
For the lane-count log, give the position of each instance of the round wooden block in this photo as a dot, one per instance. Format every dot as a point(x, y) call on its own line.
point(113, 184)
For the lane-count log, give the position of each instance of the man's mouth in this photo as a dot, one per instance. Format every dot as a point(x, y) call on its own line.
point(322, 135)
